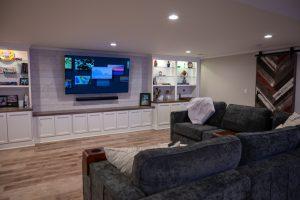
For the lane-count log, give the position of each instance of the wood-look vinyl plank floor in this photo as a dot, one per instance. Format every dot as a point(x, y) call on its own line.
point(53, 170)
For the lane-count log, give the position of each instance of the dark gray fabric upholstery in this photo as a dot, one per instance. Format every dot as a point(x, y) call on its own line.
point(109, 183)
point(295, 152)
point(229, 185)
point(178, 117)
point(246, 119)
point(156, 170)
point(260, 145)
point(192, 131)
point(276, 178)
point(279, 118)
point(183, 140)
point(216, 118)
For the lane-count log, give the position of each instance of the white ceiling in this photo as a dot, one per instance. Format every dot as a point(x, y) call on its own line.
point(209, 27)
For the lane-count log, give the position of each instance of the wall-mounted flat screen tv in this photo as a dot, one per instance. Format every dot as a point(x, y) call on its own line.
point(89, 75)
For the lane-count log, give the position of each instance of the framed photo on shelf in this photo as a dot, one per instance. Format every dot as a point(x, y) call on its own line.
point(12, 101)
point(24, 81)
point(145, 99)
point(3, 101)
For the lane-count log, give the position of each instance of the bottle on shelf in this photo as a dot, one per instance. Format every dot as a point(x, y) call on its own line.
point(26, 101)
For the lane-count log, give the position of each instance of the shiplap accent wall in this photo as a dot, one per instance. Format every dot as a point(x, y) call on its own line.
point(48, 93)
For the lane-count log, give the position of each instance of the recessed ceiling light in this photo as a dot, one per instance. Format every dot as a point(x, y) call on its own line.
point(268, 36)
point(113, 44)
point(173, 17)
point(188, 51)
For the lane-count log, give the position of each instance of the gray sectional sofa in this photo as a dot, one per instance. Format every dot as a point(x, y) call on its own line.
point(260, 162)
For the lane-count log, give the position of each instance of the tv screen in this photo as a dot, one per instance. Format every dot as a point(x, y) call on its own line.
point(88, 75)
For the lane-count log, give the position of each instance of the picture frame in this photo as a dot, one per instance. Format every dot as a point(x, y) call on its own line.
point(24, 81)
point(12, 101)
point(3, 101)
point(145, 99)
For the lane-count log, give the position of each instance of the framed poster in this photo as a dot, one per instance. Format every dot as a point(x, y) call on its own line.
point(275, 81)
point(145, 99)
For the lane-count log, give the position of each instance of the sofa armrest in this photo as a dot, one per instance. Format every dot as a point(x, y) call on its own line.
point(107, 182)
point(178, 117)
point(229, 185)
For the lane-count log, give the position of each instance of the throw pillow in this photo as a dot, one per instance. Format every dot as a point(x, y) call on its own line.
point(293, 120)
point(122, 158)
point(200, 110)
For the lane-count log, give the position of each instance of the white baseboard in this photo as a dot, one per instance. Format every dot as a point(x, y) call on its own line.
point(16, 145)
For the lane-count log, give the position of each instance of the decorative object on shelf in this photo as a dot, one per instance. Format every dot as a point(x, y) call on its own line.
point(145, 99)
point(11, 70)
point(26, 101)
point(156, 94)
point(184, 74)
point(3, 101)
point(7, 55)
point(24, 81)
point(8, 83)
point(1, 70)
point(21, 103)
point(168, 64)
point(12, 101)
point(167, 96)
point(190, 65)
point(24, 68)
point(165, 83)
point(155, 81)
point(155, 63)
point(160, 73)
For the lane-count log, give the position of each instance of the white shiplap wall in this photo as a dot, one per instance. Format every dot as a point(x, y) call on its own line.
point(48, 93)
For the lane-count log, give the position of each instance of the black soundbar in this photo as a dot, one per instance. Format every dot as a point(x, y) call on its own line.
point(96, 98)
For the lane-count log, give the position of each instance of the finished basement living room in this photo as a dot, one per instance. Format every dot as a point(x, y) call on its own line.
point(150, 100)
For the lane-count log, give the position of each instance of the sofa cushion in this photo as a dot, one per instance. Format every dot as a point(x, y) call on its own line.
point(216, 118)
point(260, 145)
point(156, 170)
point(279, 118)
point(276, 178)
point(192, 131)
point(246, 118)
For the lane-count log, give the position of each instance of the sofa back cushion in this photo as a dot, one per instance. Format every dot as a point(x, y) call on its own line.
point(156, 170)
point(216, 118)
point(240, 118)
point(279, 118)
point(261, 145)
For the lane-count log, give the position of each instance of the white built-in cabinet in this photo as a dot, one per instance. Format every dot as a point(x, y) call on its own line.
point(109, 121)
point(15, 129)
point(19, 126)
point(162, 113)
point(56, 127)
point(80, 123)
point(3, 128)
point(95, 122)
point(63, 124)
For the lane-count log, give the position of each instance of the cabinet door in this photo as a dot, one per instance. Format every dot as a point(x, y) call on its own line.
point(63, 124)
point(94, 122)
point(135, 118)
point(80, 123)
point(3, 128)
point(46, 126)
point(163, 117)
point(147, 117)
point(109, 121)
point(176, 107)
point(122, 119)
point(184, 105)
point(19, 126)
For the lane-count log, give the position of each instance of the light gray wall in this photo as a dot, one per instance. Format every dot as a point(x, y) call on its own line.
point(297, 100)
point(48, 93)
point(230, 79)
